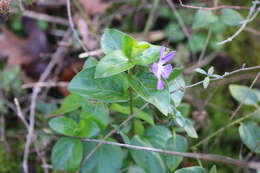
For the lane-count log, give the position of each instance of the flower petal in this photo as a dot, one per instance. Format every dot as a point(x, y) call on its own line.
point(155, 70)
point(167, 70)
point(160, 84)
point(162, 53)
point(168, 57)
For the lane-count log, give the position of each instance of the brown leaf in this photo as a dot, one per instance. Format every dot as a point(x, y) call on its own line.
point(14, 48)
point(93, 6)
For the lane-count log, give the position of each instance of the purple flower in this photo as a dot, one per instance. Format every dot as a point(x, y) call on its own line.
point(160, 69)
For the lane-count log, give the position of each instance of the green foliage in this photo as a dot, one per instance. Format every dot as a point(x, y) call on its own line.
point(194, 169)
point(250, 135)
point(113, 63)
point(203, 18)
point(231, 17)
point(85, 84)
point(149, 161)
point(245, 95)
point(175, 143)
point(144, 85)
point(107, 158)
point(67, 154)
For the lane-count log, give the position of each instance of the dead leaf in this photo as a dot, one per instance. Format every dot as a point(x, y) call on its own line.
point(93, 6)
point(14, 48)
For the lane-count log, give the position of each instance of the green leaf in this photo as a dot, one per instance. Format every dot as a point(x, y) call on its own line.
point(63, 125)
point(97, 112)
point(200, 70)
point(135, 169)
point(87, 128)
point(194, 169)
point(90, 62)
point(111, 40)
point(218, 27)
point(188, 127)
point(176, 143)
point(70, 103)
point(112, 89)
point(198, 41)
point(213, 169)
point(203, 18)
point(132, 48)
point(231, 17)
point(113, 63)
point(144, 85)
point(177, 90)
point(186, 124)
point(206, 82)
point(67, 154)
point(176, 72)
point(138, 127)
point(174, 32)
point(239, 92)
point(107, 158)
point(128, 44)
point(150, 161)
point(250, 135)
point(157, 135)
point(148, 56)
point(126, 110)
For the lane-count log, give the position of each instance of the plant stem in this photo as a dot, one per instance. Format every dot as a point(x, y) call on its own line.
point(150, 19)
point(221, 129)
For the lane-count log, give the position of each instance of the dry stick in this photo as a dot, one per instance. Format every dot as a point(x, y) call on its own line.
point(45, 84)
point(111, 133)
point(183, 27)
point(73, 27)
point(41, 16)
point(58, 54)
point(252, 10)
point(236, 111)
point(21, 116)
point(211, 157)
point(248, 156)
point(214, 8)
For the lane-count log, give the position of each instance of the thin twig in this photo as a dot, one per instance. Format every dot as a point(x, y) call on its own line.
point(252, 10)
point(236, 111)
point(183, 27)
point(211, 157)
point(45, 84)
point(221, 129)
point(21, 116)
point(58, 54)
point(111, 133)
point(73, 27)
point(214, 8)
point(41, 16)
point(225, 75)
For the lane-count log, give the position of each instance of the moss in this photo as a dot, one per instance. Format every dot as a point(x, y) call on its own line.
point(8, 162)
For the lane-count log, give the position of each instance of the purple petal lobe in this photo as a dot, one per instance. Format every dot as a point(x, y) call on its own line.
point(160, 84)
point(155, 70)
point(162, 53)
point(168, 57)
point(167, 70)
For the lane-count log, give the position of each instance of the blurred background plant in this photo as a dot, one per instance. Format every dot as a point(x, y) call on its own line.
point(30, 39)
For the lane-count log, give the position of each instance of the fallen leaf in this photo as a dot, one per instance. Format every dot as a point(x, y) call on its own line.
point(93, 7)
